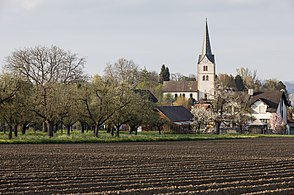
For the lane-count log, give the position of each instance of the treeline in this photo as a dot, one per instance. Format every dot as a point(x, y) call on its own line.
point(47, 89)
point(246, 79)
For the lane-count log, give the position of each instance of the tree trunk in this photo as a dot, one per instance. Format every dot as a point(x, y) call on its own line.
point(96, 129)
point(4, 128)
point(45, 127)
point(112, 131)
point(68, 129)
point(24, 128)
point(15, 131)
point(159, 129)
point(218, 124)
point(117, 131)
point(241, 129)
point(133, 129)
point(83, 127)
point(10, 132)
point(55, 128)
point(50, 129)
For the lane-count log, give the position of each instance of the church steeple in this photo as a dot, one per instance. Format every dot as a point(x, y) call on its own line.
point(206, 69)
point(206, 48)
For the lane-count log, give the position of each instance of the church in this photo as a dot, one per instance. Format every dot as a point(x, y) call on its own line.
point(204, 87)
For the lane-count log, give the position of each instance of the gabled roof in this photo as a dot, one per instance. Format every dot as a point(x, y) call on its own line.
point(147, 94)
point(175, 113)
point(180, 86)
point(271, 98)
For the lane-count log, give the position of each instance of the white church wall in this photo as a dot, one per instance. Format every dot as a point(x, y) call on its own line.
point(180, 94)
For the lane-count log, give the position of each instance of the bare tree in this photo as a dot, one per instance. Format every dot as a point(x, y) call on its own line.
point(41, 65)
point(123, 71)
point(250, 79)
point(46, 68)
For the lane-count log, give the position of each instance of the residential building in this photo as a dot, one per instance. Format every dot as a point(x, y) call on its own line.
point(264, 105)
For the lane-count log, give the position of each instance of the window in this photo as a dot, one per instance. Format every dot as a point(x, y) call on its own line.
point(207, 77)
point(205, 68)
point(203, 77)
point(183, 95)
point(176, 96)
point(191, 95)
point(265, 121)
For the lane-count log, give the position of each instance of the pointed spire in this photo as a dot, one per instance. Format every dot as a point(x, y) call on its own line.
point(206, 49)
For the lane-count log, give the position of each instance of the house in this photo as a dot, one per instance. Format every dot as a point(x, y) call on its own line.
point(264, 105)
point(178, 117)
point(290, 127)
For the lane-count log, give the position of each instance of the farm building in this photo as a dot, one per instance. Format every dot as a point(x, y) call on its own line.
point(178, 117)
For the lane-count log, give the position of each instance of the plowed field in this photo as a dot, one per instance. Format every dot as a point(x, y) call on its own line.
point(244, 166)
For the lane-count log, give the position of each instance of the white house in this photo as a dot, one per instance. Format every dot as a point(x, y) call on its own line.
point(265, 104)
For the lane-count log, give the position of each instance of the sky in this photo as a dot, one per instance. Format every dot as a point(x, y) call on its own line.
point(255, 34)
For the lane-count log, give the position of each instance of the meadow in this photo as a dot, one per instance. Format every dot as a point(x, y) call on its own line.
point(39, 137)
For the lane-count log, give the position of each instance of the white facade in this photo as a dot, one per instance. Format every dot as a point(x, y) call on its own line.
point(187, 95)
point(206, 79)
point(259, 111)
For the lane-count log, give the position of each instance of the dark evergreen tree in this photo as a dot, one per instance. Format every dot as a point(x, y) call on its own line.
point(164, 74)
point(281, 86)
point(161, 74)
point(239, 83)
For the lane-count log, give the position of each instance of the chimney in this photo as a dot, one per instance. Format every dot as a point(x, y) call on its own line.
point(250, 92)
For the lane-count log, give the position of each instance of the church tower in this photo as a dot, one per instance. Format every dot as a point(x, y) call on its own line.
point(206, 70)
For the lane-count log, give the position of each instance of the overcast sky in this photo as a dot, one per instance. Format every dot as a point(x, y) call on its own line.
point(257, 34)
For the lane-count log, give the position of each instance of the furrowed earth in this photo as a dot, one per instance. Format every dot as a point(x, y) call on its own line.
point(240, 166)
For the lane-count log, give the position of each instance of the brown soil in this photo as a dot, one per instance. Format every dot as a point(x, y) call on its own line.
point(249, 166)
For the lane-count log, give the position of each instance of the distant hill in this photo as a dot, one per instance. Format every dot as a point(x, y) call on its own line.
point(289, 86)
point(290, 89)
point(291, 97)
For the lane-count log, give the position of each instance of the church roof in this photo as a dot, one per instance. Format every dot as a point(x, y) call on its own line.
point(180, 86)
point(206, 49)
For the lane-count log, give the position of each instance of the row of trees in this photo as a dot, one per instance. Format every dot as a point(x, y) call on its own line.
point(48, 86)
